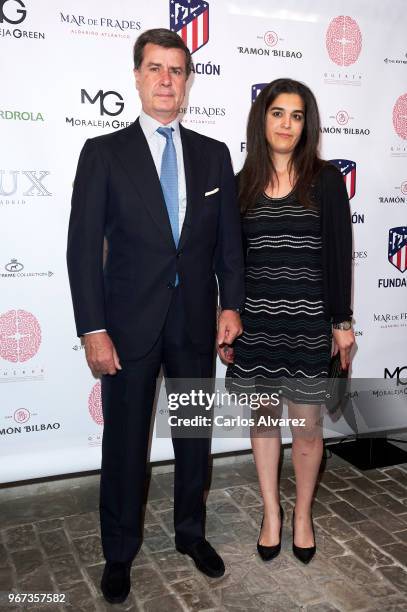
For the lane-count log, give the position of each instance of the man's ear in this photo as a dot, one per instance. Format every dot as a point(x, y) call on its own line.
point(136, 76)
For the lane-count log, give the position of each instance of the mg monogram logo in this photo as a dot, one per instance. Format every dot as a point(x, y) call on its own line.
point(32, 181)
point(397, 374)
point(12, 11)
point(101, 96)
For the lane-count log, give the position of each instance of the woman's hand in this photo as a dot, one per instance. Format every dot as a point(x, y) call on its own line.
point(226, 354)
point(343, 340)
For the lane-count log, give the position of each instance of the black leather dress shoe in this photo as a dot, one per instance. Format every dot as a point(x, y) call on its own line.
point(115, 582)
point(205, 558)
point(267, 553)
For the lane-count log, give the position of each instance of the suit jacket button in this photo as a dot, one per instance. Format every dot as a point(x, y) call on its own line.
point(170, 286)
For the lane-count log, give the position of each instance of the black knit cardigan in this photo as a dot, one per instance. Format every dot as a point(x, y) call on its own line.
point(331, 197)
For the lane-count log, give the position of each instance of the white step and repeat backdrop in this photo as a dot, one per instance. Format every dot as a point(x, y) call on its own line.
point(66, 75)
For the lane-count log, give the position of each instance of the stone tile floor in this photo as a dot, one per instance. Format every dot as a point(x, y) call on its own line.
point(49, 542)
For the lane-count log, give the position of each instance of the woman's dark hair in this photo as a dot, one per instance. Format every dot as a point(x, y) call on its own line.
point(258, 168)
point(163, 38)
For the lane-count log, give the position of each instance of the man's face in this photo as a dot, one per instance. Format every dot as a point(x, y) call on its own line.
point(161, 81)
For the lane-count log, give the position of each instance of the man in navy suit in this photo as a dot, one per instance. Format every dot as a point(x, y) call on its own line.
point(164, 199)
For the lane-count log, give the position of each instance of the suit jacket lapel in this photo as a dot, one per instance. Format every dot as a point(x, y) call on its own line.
point(135, 156)
point(194, 178)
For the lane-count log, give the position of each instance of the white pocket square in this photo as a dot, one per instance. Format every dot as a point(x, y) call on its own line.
point(208, 193)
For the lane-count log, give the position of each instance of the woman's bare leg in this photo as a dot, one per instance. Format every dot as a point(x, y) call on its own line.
point(266, 445)
point(307, 449)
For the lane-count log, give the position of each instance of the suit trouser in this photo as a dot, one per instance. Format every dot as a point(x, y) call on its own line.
point(128, 399)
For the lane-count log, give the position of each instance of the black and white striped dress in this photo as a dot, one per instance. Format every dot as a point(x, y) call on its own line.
point(286, 336)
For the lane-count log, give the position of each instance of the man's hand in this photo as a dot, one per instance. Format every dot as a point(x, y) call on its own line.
point(343, 340)
point(101, 355)
point(229, 327)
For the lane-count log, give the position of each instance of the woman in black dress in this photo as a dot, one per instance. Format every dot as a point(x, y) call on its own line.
point(297, 234)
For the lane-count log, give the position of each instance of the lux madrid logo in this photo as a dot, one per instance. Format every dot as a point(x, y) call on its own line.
point(32, 181)
point(12, 11)
point(101, 96)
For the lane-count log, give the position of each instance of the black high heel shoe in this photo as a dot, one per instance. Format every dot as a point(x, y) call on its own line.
point(267, 553)
point(304, 554)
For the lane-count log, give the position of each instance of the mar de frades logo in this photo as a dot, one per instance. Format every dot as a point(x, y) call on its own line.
point(20, 336)
point(400, 116)
point(95, 404)
point(343, 40)
point(397, 248)
point(190, 19)
point(97, 25)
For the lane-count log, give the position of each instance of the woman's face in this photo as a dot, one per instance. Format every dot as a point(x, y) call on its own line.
point(285, 122)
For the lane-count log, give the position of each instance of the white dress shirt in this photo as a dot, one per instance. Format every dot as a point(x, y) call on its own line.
point(156, 143)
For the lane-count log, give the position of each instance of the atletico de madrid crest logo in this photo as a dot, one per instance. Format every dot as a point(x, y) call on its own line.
point(256, 89)
point(190, 19)
point(348, 171)
point(398, 247)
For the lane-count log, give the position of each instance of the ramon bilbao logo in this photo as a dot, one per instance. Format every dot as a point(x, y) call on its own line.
point(399, 198)
point(95, 403)
point(271, 40)
point(342, 119)
point(20, 336)
point(21, 416)
point(343, 40)
point(190, 19)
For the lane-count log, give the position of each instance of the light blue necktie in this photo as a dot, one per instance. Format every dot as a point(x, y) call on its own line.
point(169, 181)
